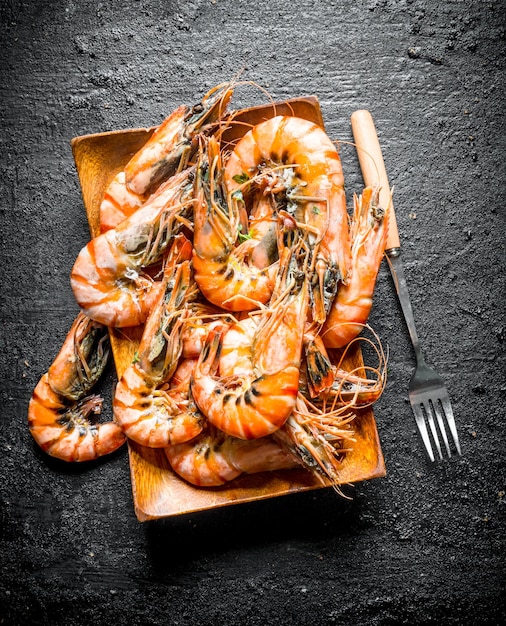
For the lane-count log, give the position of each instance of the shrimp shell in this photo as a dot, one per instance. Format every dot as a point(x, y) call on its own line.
point(148, 413)
point(213, 458)
point(62, 428)
point(150, 416)
point(168, 149)
point(259, 395)
point(353, 302)
point(314, 183)
point(222, 271)
point(107, 278)
point(81, 360)
point(118, 203)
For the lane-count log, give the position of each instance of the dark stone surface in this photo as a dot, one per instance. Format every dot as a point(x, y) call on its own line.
point(424, 545)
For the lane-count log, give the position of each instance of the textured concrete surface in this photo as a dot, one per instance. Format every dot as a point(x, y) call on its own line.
point(424, 545)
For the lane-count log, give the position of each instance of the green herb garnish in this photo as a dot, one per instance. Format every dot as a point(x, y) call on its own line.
point(241, 178)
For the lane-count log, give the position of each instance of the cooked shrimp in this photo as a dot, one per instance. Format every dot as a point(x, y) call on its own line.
point(62, 427)
point(107, 277)
point(81, 360)
point(257, 402)
point(143, 406)
point(222, 271)
point(168, 149)
point(328, 382)
point(249, 345)
point(214, 458)
point(118, 203)
point(353, 302)
point(314, 436)
point(262, 230)
point(242, 407)
point(237, 348)
point(311, 174)
point(166, 152)
point(151, 415)
point(59, 410)
point(318, 439)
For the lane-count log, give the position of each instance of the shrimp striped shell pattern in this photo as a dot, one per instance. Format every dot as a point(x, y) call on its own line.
point(107, 277)
point(310, 172)
point(222, 271)
point(213, 458)
point(147, 411)
point(59, 410)
point(255, 393)
point(167, 151)
point(169, 148)
point(353, 303)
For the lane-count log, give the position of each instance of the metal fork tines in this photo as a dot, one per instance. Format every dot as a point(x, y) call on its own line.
point(428, 397)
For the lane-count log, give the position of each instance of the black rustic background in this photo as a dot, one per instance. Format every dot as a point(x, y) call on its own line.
point(427, 543)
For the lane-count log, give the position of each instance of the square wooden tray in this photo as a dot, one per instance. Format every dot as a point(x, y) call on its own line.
point(157, 491)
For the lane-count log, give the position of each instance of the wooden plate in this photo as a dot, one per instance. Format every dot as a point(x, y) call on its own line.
point(157, 491)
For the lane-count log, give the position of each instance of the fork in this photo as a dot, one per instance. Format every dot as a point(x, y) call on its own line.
point(428, 395)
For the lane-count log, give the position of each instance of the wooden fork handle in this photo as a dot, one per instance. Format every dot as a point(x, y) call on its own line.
point(373, 168)
point(374, 173)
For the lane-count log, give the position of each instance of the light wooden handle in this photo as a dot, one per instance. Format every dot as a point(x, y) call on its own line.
point(373, 167)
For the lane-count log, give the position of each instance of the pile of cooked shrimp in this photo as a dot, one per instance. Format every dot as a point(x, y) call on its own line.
point(250, 281)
